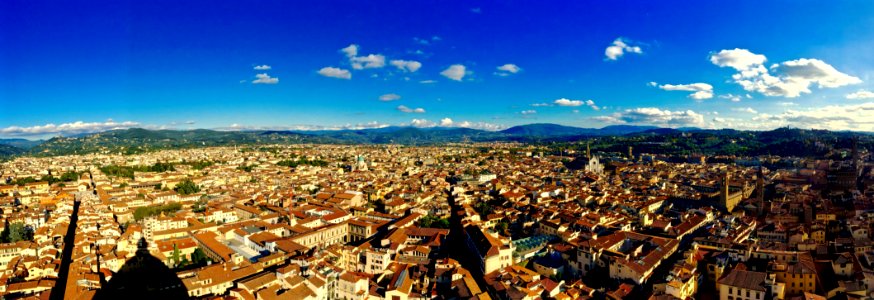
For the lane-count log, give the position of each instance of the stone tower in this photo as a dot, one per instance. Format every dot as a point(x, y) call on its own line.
point(588, 150)
point(726, 198)
point(760, 191)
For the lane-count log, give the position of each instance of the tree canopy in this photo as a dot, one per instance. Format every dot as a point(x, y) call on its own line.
point(302, 162)
point(15, 232)
point(148, 211)
point(187, 187)
point(128, 171)
point(430, 221)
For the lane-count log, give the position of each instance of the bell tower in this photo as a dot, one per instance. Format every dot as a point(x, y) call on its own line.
point(760, 191)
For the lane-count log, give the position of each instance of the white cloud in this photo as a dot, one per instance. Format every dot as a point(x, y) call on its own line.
point(568, 102)
point(528, 112)
point(480, 125)
point(787, 103)
point(405, 109)
point(861, 94)
point(350, 51)
point(591, 104)
point(429, 81)
point(745, 109)
point(358, 126)
point(739, 59)
point(455, 72)
point(654, 116)
point(262, 67)
point(335, 73)
point(263, 78)
point(732, 97)
point(447, 122)
point(619, 48)
point(390, 97)
point(856, 117)
point(371, 61)
point(790, 79)
point(422, 123)
point(406, 65)
point(811, 70)
point(701, 90)
point(507, 70)
point(421, 41)
point(77, 127)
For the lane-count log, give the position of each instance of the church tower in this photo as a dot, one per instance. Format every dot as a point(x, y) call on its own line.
point(726, 199)
point(588, 150)
point(857, 157)
point(760, 191)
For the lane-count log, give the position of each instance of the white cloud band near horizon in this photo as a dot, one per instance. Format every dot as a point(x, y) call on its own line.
point(78, 127)
point(788, 79)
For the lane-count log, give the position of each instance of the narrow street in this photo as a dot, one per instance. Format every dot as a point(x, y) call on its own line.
point(60, 287)
point(457, 246)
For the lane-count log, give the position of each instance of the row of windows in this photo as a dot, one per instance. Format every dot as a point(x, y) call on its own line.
point(731, 290)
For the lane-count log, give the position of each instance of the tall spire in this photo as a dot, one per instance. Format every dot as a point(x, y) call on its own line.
point(760, 190)
point(588, 150)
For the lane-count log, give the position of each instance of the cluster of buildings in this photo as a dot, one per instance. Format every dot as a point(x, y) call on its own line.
point(485, 221)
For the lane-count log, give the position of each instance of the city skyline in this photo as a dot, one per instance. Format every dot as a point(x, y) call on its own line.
point(81, 68)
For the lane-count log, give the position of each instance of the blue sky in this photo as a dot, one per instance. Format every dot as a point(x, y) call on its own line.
point(86, 66)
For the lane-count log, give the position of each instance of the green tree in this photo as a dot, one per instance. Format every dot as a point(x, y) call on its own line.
point(16, 232)
point(186, 187)
point(4, 235)
point(175, 255)
point(199, 165)
point(199, 258)
point(50, 179)
point(200, 205)
point(69, 176)
point(148, 211)
point(302, 162)
point(430, 221)
point(23, 181)
point(502, 226)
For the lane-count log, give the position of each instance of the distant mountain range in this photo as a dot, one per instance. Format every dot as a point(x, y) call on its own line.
point(550, 130)
point(646, 138)
point(20, 143)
